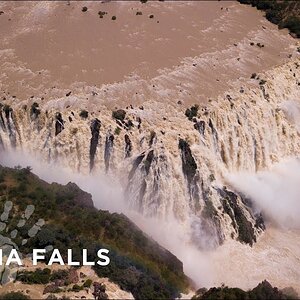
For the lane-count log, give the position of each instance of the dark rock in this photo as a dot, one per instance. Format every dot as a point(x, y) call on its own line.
point(95, 130)
point(152, 138)
point(99, 291)
point(232, 207)
point(139, 120)
point(128, 146)
point(148, 161)
point(109, 143)
point(34, 110)
point(135, 165)
point(59, 124)
point(86, 199)
point(52, 288)
point(200, 126)
point(189, 165)
point(189, 168)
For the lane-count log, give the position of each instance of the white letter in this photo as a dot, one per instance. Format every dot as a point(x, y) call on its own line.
point(13, 257)
point(103, 257)
point(56, 258)
point(36, 256)
point(70, 256)
point(84, 259)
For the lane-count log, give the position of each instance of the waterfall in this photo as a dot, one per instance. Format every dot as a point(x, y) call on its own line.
point(173, 166)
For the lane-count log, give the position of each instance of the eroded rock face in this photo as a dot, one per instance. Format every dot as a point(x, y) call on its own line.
point(189, 168)
point(128, 146)
point(59, 123)
point(95, 130)
point(200, 126)
point(240, 222)
point(109, 144)
point(99, 291)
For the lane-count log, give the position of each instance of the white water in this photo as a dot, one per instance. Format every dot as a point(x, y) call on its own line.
point(254, 132)
point(275, 191)
point(275, 257)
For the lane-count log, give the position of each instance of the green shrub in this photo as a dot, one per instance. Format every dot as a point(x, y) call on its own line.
point(14, 296)
point(88, 283)
point(34, 277)
point(117, 130)
point(293, 24)
point(59, 274)
point(77, 288)
point(192, 112)
point(119, 114)
point(84, 114)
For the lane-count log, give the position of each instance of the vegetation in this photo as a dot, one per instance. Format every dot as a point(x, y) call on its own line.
point(119, 114)
point(285, 14)
point(253, 75)
point(43, 276)
point(138, 264)
point(192, 112)
point(35, 277)
point(87, 283)
point(117, 130)
point(84, 114)
point(102, 13)
point(263, 291)
point(14, 296)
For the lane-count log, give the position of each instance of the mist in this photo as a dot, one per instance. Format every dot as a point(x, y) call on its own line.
point(108, 194)
point(275, 192)
point(107, 191)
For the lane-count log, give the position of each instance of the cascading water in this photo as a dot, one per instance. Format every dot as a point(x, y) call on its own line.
point(172, 167)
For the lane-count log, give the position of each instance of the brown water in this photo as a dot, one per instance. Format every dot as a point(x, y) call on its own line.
point(189, 51)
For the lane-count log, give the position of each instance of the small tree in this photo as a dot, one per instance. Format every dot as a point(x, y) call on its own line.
point(119, 114)
point(84, 114)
